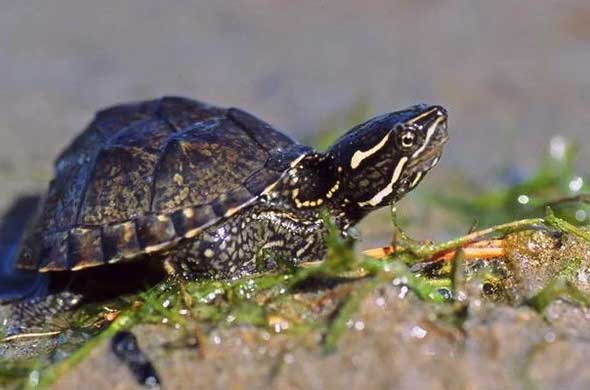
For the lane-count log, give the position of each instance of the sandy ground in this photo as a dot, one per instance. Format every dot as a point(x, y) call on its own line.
point(511, 74)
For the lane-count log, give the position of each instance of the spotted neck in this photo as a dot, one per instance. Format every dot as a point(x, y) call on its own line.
point(313, 183)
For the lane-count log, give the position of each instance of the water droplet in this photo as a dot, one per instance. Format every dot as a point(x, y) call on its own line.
point(523, 199)
point(576, 184)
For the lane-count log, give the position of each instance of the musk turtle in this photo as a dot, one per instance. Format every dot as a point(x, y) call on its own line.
point(199, 190)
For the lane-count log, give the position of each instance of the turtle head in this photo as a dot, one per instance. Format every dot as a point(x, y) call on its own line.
point(379, 161)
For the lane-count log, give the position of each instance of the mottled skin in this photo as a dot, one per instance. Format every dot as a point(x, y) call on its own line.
point(255, 239)
point(206, 191)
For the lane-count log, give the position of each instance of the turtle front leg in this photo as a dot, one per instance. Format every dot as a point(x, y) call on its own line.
point(291, 241)
point(254, 241)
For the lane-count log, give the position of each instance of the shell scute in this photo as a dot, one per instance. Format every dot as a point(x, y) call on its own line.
point(154, 230)
point(119, 189)
point(86, 246)
point(191, 219)
point(120, 185)
point(214, 155)
point(54, 254)
point(119, 241)
point(229, 202)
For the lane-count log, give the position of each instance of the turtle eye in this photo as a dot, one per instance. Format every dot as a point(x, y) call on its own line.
point(407, 139)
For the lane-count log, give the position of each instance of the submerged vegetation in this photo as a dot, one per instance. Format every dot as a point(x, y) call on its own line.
point(323, 298)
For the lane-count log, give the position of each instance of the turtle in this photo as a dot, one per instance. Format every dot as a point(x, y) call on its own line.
point(190, 189)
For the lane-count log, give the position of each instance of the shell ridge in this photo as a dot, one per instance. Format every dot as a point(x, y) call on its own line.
point(245, 129)
point(99, 128)
point(85, 188)
point(116, 134)
point(161, 115)
point(161, 155)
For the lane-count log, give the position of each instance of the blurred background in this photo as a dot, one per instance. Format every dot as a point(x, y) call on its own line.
point(513, 75)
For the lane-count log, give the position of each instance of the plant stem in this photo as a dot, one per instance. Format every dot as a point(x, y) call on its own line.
point(429, 250)
point(565, 226)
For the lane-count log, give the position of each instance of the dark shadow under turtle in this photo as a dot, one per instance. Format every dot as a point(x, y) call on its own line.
point(16, 284)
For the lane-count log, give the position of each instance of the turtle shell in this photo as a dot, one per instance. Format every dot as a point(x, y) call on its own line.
point(144, 176)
